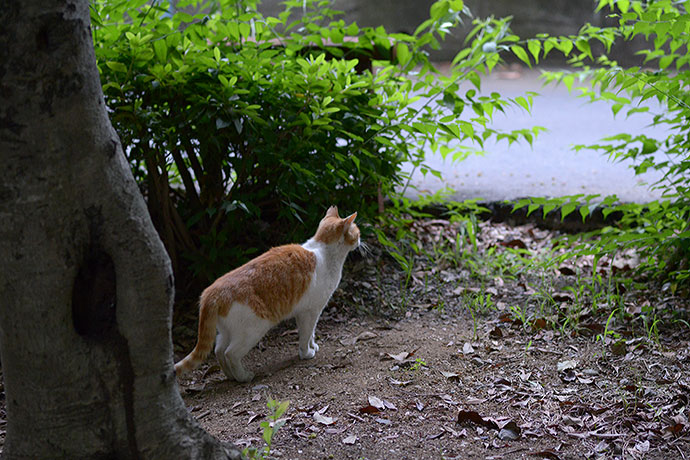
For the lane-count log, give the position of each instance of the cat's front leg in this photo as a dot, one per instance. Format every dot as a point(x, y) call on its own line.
point(306, 323)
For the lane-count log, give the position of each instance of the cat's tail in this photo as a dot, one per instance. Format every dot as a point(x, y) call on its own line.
point(208, 317)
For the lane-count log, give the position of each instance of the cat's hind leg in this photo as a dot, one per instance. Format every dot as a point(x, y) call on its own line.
point(246, 329)
point(233, 359)
point(306, 324)
point(222, 343)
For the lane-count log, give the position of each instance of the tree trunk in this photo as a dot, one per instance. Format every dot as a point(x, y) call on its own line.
point(85, 283)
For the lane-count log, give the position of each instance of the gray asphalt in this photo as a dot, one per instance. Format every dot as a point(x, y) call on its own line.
point(550, 167)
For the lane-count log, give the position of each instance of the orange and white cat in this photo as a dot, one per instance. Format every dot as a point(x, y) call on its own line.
point(284, 282)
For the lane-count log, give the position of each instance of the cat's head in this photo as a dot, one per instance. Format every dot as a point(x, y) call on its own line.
point(336, 230)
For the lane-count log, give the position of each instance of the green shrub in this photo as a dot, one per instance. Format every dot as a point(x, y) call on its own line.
point(659, 230)
point(242, 129)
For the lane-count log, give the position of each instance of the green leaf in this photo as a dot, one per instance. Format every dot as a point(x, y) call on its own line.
point(623, 5)
point(403, 53)
point(161, 50)
point(534, 47)
point(245, 30)
point(666, 61)
point(568, 81)
point(548, 207)
point(282, 407)
point(566, 46)
point(567, 208)
point(521, 203)
point(548, 45)
point(584, 212)
point(523, 102)
point(649, 146)
point(521, 54)
point(267, 432)
point(583, 45)
point(116, 66)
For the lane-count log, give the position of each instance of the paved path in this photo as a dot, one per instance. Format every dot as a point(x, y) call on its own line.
point(550, 167)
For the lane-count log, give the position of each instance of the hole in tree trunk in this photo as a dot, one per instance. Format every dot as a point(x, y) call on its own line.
point(94, 296)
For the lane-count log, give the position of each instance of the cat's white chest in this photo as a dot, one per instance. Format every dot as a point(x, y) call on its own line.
point(325, 279)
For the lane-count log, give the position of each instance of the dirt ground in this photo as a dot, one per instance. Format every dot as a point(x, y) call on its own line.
point(419, 378)
point(609, 408)
point(463, 359)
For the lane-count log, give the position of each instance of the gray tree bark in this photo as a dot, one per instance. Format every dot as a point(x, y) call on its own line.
point(85, 284)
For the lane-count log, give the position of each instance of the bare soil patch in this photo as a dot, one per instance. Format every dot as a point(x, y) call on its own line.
point(411, 372)
point(625, 406)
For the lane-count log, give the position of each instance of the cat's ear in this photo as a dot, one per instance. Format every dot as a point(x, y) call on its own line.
point(332, 212)
point(350, 219)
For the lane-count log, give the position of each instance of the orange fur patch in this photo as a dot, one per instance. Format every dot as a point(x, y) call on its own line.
point(288, 270)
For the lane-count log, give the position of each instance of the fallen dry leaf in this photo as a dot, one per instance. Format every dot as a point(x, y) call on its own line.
point(450, 375)
point(618, 348)
point(389, 405)
point(376, 402)
point(351, 439)
point(366, 335)
point(323, 409)
point(322, 419)
point(509, 432)
point(565, 365)
point(496, 333)
point(567, 271)
point(465, 416)
point(562, 296)
point(538, 324)
point(515, 243)
point(369, 409)
point(456, 434)
point(400, 357)
point(430, 437)
point(548, 454)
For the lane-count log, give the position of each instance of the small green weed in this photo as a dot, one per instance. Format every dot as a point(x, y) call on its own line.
point(651, 325)
point(417, 365)
point(608, 332)
point(479, 303)
point(520, 314)
point(270, 427)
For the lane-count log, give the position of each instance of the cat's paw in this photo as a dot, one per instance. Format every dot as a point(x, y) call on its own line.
point(243, 376)
point(309, 353)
